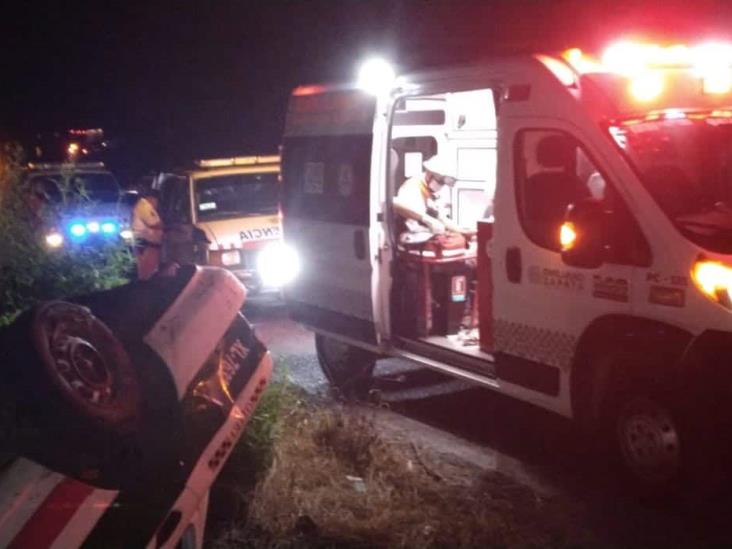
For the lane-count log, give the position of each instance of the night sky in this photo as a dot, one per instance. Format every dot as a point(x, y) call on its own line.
point(170, 81)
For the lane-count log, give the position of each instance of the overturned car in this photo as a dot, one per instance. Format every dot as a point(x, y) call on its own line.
point(119, 409)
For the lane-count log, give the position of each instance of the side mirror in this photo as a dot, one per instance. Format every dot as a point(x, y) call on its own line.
point(583, 234)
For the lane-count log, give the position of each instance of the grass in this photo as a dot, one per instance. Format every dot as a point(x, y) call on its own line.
point(334, 480)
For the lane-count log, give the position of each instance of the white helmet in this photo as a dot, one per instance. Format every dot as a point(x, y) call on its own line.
point(440, 167)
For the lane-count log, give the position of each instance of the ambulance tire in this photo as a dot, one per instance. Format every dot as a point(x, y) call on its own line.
point(349, 369)
point(660, 441)
point(77, 394)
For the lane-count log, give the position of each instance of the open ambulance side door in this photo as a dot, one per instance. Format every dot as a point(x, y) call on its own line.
point(326, 159)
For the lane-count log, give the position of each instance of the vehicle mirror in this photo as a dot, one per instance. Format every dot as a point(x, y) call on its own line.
point(583, 235)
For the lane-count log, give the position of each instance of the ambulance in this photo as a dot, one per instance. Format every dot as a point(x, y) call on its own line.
point(599, 285)
point(224, 212)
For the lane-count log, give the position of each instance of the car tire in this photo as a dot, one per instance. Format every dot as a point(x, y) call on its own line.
point(76, 391)
point(349, 369)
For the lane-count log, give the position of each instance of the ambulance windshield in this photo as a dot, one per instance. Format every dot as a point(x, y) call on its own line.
point(685, 162)
point(235, 195)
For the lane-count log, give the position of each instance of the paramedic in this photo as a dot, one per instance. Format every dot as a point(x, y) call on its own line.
point(418, 201)
point(147, 229)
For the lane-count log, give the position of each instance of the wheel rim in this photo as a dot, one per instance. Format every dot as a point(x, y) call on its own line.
point(81, 368)
point(650, 441)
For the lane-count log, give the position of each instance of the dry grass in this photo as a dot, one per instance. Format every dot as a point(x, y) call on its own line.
point(334, 481)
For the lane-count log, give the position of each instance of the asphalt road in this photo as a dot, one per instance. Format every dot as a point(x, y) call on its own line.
point(532, 445)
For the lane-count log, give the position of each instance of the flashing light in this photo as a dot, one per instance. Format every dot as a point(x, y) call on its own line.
point(54, 239)
point(126, 234)
point(77, 229)
point(376, 76)
point(567, 236)
point(237, 161)
point(73, 149)
point(108, 227)
point(93, 226)
point(647, 86)
point(643, 63)
point(714, 279)
point(718, 82)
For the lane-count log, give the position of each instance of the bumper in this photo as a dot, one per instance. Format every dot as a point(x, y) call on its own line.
point(253, 282)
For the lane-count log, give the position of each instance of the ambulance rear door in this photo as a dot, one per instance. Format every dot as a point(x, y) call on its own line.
point(326, 162)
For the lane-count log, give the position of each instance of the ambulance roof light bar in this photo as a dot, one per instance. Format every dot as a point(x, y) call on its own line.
point(237, 161)
point(630, 58)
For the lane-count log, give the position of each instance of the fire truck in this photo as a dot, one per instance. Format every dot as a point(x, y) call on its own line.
point(225, 212)
point(599, 284)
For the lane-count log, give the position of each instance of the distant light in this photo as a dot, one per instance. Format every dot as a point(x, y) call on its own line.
point(77, 229)
point(73, 149)
point(108, 227)
point(647, 86)
point(126, 234)
point(376, 76)
point(54, 240)
point(93, 226)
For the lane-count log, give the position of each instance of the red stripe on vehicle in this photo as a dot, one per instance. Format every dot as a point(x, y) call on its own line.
point(52, 516)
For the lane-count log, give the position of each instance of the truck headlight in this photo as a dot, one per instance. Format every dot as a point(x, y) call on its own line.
point(714, 279)
point(278, 264)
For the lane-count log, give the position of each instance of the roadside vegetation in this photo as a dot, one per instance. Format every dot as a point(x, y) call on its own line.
point(30, 272)
point(325, 476)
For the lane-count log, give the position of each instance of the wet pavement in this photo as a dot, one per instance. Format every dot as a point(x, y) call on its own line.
point(529, 444)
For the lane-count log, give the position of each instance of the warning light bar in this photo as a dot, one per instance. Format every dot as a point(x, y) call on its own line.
point(644, 65)
point(237, 161)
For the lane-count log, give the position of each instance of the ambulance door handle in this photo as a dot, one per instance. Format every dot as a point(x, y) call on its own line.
point(359, 244)
point(513, 264)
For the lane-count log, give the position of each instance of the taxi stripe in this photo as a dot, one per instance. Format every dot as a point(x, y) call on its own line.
point(52, 516)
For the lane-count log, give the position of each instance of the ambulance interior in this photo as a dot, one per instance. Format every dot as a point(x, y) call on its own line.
point(436, 291)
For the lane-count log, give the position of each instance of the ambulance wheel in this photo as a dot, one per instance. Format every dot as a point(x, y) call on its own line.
point(78, 394)
point(650, 441)
point(662, 442)
point(349, 369)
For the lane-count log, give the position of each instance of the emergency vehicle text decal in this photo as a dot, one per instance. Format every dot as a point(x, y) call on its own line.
point(556, 278)
point(259, 234)
point(608, 287)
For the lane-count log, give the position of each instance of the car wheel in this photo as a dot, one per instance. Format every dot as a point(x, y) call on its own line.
point(77, 393)
point(349, 369)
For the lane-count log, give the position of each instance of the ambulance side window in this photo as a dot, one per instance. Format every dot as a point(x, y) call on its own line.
point(554, 171)
point(327, 178)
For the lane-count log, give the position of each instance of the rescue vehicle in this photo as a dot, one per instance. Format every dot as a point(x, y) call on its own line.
point(84, 203)
point(599, 286)
point(225, 212)
point(120, 408)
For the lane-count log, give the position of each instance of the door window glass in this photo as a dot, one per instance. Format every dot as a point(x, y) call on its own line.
point(554, 171)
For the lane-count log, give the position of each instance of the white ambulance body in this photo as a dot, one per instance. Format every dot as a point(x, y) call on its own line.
point(601, 194)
